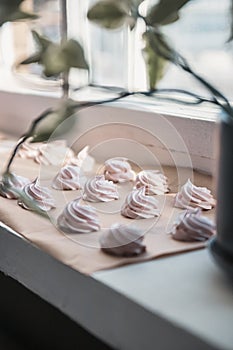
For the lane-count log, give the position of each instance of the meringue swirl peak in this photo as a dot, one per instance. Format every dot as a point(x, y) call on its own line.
point(98, 189)
point(68, 178)
point(118, 170)
point(11, 184)
point(140, 206)
point(154, 181)
point(41, 196)
point(78, 218)
point(192, 226)
point(191, 196)
point(122, 240)
point(29, 150)
point(53, 153)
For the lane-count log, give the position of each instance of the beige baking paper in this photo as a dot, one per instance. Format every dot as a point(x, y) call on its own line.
point(81, 251)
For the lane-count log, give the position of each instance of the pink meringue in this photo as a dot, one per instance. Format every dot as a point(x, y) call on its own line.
point(97, 189)
point(68, 178)
point(154, 181)
point(53, 153)
point(192, 226)
point(140, 206)
point(41, 196)
point(80, 157)
point(11, 184)
point(122, 240)
point(77, 218)
point(29, 150)
point(118, 170)
point(191, 196)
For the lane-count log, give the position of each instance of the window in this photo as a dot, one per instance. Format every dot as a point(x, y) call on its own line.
point(115, 56)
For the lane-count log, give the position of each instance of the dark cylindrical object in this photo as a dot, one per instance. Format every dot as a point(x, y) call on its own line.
point(222, 245)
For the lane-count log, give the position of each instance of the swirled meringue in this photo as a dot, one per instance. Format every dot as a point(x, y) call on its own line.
point(122, 240)
point(11, 184)
point(68, 178)
point(41, 196)
point(80, 157)
point(83, 159)
point(77, 218)
point(140, 206)
point(153, 180)
point(53, 153)
point(97, 189)
point(118, 170)
point(192, 226)
point(191, 196)
point(29, 150)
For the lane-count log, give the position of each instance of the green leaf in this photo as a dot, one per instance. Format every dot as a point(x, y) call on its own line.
point(165, 12)
point(42, 44)
point(157, 42)
point(7, 179)
point(32, 59)
point(54, 122)
point(41, 41)
point(21, 15)
point(53, 61)
point(155, 64)
point(60, 58)
point(74, 54)
point(171, 19)
point(231, 29)
point(109, 14)
point(55, 58)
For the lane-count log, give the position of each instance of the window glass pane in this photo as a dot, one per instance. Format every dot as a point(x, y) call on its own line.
point(106, 50)
point(201, 35)
point(115, 57)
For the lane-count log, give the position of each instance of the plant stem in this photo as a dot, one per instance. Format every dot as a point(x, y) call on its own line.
point(24, 137)
point(64, 35)
point(177, 59)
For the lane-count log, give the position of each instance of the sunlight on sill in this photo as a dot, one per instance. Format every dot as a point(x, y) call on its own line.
point(34, 86)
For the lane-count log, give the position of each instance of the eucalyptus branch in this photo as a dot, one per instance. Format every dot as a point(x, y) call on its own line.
point(197, 99)
point(156, 93)
point(174, 57)
point(82, 105)
point(42, 116)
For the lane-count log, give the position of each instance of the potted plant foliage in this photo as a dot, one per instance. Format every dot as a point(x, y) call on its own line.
point(58, 59)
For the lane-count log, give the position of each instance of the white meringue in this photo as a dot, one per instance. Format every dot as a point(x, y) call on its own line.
point(118, 170)
point(11, 184)
point(78, 218)
point(140, 206)
point(122, 240)
point(41, 196)
point(29, 150)
point(154, 181)
point(191, 196)
point(192, 226)
point(53, 153)
point(97, 189)
point(68, 178)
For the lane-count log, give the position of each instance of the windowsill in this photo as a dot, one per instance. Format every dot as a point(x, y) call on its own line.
point(194, 125)
point(182, 299)
point(26, 84)
point(157, 303)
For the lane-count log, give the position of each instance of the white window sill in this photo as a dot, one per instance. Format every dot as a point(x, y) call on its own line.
point(195, 126)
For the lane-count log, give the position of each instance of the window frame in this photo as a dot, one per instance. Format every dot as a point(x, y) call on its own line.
point(197, 126)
